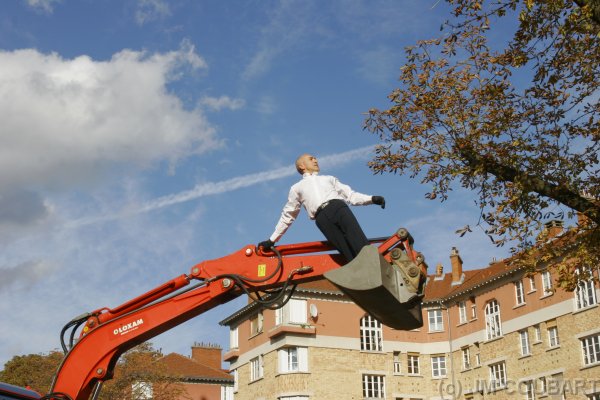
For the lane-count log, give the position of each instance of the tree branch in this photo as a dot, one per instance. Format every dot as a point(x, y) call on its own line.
point(594, 5)
point(531, 183)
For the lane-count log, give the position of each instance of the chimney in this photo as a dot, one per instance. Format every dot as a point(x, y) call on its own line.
point(553, 228)
point(457, 266)
point(207, 354)
point(439, 272)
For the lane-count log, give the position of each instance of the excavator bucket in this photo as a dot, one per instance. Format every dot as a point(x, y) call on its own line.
point(380, 289)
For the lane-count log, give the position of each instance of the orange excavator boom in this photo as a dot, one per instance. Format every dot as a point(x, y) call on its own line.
point(107, 333)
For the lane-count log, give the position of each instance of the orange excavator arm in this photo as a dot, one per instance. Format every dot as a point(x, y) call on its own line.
point(106, 333)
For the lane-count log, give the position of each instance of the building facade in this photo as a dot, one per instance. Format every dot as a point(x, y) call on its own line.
point(199, 376)
point(491, 333)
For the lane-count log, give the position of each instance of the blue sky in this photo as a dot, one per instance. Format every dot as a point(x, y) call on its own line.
point(140, 137)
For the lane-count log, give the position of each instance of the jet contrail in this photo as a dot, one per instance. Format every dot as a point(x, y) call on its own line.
point(228, 185)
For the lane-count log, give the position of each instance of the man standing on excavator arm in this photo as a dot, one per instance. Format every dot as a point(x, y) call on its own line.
point(326, 201)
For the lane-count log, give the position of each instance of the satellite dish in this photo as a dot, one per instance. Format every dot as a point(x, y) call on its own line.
point(314, 313)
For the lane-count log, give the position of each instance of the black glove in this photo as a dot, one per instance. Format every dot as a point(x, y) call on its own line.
point(266, 245)
point(379, 200)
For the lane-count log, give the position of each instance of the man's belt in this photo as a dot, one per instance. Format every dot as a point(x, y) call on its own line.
point(321, 207)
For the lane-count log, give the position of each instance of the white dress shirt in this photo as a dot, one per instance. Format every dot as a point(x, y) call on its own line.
point(312, 191)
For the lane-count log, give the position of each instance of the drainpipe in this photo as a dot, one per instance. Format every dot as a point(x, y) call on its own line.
point(451, 355)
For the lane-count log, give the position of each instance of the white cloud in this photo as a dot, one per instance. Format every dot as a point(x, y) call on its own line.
point(371, 20)
point(353, 25)
point(379, 65)
point(224, 186)
point(435, 233)
point(266, 105)
point(219, 103)
point(24, 274)
point(151, 10)
point(22, 212)
point(63, 120)
point(260, 62)
point(83, 270)
point(289, 24)
point(43, 5)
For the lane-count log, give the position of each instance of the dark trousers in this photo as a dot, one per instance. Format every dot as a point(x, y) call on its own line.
point(340, 227)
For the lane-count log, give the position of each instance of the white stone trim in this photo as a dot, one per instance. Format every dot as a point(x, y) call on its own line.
point(591, 332)
point(495, 361)
point(544, 374)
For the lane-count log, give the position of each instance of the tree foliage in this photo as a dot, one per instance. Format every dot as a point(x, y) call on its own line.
point(514, 117)
point(139, 376)
point(136, 372)
point(33, 370)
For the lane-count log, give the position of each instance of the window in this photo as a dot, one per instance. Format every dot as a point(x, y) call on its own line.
point(519, 293)
point(538, 333)
point(226, 392)
point(462, 312)
point(256, 368)
point(542, 388)
point(591, 349)
point(473, 312)
point(594, 396)
point(256, 324)
point(371, 334)
point(492, 320)
point(233, 338)
point(373, 387)
point(529, 390)
point(553, 336)
point(524, 342)
point(585, 293)
point(438, 366)
point(498, 375)
point(547, 283)
point(478, 359)
point(532, 287)
point(293, 359)
point(293, 312)
point(436, 320)
point(142, 390)
point(397, 363)
point(556, 386)
point(466, 358)
point(413, 364)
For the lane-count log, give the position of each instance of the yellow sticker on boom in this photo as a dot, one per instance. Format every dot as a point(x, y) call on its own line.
point(262, 269)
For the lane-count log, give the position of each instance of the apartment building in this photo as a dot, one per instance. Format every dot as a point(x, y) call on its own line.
point(490, 333)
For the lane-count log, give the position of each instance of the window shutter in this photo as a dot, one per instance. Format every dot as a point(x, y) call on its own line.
point(303, 359)
point(298, 311)
point(233, 338)
point(282, 356)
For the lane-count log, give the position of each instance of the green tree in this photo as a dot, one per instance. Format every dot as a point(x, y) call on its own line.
point(516, 121)
point(33, 370)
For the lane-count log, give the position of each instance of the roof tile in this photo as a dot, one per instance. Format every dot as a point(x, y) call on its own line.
point(192, 369)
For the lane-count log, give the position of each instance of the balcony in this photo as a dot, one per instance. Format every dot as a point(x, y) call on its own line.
point(296, 329)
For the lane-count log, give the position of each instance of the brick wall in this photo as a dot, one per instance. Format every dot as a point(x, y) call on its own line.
point(336, 363)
